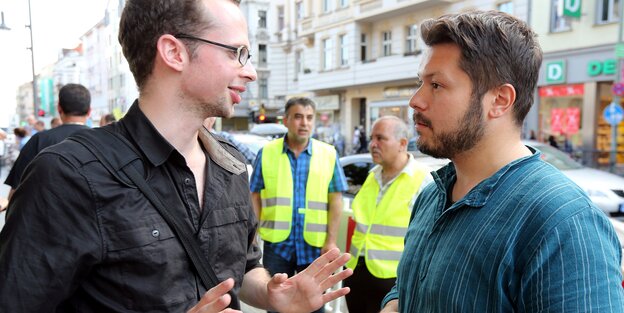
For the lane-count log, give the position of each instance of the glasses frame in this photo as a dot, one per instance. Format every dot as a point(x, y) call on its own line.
point(238, 50)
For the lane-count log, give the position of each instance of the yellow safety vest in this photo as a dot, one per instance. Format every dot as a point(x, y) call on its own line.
point(277, 195)
point(381, 228)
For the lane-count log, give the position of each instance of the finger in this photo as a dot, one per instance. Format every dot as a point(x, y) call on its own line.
point(219, 305)
point(334, 279)
point(333, 295)
point(277, 279)
point(333, 266)
point(321, 261)
point(216, 292)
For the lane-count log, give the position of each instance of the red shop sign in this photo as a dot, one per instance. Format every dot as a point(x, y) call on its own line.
point(562, 91)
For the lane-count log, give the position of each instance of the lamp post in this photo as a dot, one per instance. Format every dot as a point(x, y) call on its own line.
point(3, 26)
point(32, 61)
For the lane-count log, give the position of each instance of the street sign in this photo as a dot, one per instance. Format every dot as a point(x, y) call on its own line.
point(572, 8)
point(618, 89)
point(613, 114)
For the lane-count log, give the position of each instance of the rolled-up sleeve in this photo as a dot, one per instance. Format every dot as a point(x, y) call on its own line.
point(51, 238)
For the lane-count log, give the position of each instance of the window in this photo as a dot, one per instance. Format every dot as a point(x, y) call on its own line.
point(299, 10)
point(298, 63)
point(559, 22)
point(263, 88)
point(344, 51)
point(344, 3)
point(608, 11)
point(280, 18)
point(262, 19)
point(363, 47)
point(328, 54)
point(262, 55)
point(411, 39)
point(327, 5)
point(506, 7)
point(386, 43)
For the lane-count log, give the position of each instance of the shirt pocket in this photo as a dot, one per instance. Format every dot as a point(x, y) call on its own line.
point(224, 236)
point(143, 235)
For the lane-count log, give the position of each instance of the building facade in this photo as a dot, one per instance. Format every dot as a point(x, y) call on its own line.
point(358, 59)
point(577, 76)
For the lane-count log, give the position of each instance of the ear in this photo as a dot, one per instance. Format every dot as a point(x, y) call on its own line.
point(504, 96)
point(403, 144)
point(171, 52)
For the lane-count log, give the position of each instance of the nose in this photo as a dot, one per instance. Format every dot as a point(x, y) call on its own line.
point(417, 101)
point(249, 72)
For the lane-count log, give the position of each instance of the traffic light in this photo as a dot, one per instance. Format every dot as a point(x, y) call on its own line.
point(41, 113)
point(261, 118)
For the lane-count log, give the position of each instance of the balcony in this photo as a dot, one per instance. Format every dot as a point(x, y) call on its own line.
point(383, 70)
point(373, 10)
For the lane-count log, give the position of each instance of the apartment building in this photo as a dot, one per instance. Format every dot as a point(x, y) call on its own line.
point(577, 74)
point(357, 58)
point(95, 45)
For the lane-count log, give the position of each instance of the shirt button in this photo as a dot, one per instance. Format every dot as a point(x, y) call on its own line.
point(187, 181)
point(155, 233)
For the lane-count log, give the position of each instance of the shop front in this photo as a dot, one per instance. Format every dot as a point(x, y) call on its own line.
point(573, 91)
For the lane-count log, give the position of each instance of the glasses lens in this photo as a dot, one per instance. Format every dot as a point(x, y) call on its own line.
point(243, 55)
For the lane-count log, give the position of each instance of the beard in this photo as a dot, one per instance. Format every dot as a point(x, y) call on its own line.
point(448, 144)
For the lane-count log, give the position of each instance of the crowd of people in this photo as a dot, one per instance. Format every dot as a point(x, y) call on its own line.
point(154, 213)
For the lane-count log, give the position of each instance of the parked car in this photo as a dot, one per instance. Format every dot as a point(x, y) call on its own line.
point(251, 141)
point(271, 130)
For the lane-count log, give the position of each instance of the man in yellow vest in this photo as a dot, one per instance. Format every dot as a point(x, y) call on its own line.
point(296, 190)
point(381, 210)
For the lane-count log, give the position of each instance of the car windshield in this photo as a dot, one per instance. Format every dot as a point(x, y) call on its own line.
point(557, 158)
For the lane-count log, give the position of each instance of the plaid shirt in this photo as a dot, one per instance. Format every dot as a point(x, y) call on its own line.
point(294, 245)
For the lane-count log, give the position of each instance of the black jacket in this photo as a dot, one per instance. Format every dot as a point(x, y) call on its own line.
point(78, 240)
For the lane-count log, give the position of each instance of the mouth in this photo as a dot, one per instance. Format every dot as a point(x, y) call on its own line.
point(420, 121)
point(235, 93)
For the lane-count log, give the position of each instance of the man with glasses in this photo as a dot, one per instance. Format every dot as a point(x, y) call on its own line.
point(85, 240)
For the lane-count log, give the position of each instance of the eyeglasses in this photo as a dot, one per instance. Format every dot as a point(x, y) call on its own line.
point(242, 52)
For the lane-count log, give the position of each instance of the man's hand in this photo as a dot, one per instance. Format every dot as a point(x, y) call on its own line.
point(391, 307)
point(304, 292)
point(216, 299)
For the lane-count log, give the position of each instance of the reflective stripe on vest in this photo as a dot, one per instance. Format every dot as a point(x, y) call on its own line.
point(277, 210)
point(380, 228)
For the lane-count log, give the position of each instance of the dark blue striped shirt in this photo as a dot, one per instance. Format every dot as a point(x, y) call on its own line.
point(295, 246)
point(526, 239)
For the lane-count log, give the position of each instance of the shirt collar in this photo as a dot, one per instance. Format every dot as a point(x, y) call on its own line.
point(308, 148)
point(479, 195)
point(139, 128)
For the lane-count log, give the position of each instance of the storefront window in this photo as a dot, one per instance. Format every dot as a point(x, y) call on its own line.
point(560, 116)
point(604, 130)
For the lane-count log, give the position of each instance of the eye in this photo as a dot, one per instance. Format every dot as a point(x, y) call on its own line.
point(435, 85)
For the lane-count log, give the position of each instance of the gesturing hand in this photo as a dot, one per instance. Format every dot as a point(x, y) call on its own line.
point(216, 299)
point(304, 292)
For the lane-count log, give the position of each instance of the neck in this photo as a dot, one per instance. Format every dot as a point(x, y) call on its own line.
point(390, 171)
point(296, 146)
point(71, 119)
point(483, 160)
point(178, 126)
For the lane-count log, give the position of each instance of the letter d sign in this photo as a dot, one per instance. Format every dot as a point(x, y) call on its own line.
point(572, 8)
point(555, 72)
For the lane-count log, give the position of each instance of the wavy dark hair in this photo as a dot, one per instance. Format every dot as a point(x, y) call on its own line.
point(496, 48)
point(144, 21)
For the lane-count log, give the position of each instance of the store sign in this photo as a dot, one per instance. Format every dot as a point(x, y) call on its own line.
point(607, 67)
point(572, 8)
point(556, 120)
point(572, 120)
point(327, 103)
point(555, 72)
point(565, 121)
point(562, 91)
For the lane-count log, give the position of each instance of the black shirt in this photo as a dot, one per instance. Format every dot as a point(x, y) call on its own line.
point(36, 144)
point(77, 240)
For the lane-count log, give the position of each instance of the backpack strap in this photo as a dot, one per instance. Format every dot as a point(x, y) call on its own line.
point(120, 159)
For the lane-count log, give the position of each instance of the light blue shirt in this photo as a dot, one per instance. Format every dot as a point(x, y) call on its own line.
point(526, 239)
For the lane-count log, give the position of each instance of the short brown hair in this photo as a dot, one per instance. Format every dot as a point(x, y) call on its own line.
point(144, 21)
point(303, 101)
point(496, 48)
